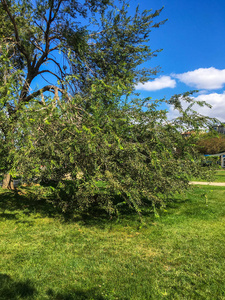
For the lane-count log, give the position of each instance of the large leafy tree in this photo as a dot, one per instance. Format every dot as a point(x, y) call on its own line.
point(75, 49)
point(93, 142)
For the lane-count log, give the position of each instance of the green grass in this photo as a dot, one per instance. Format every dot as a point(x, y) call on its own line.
point(219, 177)
point(177, 256)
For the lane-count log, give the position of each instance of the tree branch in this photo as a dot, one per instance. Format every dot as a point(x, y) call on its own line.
point(47, 71)
point(47, 33)
point(57, 64)
point(49, 88)
point(21, 48)
point(56, 11)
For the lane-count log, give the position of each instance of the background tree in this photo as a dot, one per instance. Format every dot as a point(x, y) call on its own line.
point(211, 143)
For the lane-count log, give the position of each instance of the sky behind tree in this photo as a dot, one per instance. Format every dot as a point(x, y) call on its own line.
point(193, 43)
point(192, 56)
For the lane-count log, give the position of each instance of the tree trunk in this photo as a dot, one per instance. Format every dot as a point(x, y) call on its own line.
point(7, 182)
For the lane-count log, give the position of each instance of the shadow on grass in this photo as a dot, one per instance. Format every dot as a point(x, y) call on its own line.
point(78, 294)
point(13, 290)
point(11, 202)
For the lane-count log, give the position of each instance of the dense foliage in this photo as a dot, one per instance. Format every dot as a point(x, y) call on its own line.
point(124, 155)
point(82, 49)
point(94, 143)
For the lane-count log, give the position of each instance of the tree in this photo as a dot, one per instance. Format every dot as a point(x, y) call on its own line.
point(8, 84)
point(51, 40)
point(211, 143)
point(116, 157)
point(94, 143)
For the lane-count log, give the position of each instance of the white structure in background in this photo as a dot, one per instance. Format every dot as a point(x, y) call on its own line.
point(219, 128)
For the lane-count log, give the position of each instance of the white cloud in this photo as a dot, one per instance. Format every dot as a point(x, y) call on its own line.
point(157, 84)
point(203, 78)
point(217, 101)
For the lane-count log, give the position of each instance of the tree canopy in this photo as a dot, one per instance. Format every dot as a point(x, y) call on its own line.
point(84, 134)
point(54, 38)
point(82, 49)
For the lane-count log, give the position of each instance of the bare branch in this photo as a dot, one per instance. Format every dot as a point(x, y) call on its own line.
point(46, 80)
point(48, 71)
point(47, 35)
point(57, 64)
point(56, 11)
point(47, 41)
point(39, 26)
point(54, 48)
point(53, 37)
point(35, 44)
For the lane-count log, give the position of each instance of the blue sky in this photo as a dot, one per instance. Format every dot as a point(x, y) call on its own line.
point(193, 56)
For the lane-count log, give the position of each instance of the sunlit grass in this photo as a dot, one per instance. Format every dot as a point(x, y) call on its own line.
point(177, 256)
point(218, 177)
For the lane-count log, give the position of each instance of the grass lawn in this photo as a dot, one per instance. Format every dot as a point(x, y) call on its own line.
point(179, 255)
point(219, 177)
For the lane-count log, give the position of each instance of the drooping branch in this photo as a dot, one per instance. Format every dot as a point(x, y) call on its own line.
point(48, 71)
point(57, 64)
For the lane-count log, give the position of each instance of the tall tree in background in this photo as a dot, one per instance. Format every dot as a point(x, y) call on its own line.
point(53, 41)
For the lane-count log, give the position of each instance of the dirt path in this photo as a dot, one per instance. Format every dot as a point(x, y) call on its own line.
point(208, 183)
